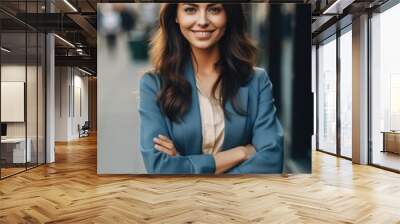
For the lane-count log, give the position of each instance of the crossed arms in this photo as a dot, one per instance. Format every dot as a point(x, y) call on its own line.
point(264, 155)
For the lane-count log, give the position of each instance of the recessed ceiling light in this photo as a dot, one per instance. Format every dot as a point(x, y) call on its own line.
point(64, 40)
point(337, 7)
point(84, 71)
point(70, 5)
point(5, 50)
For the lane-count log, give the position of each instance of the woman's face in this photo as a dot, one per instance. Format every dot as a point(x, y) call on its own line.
point(202, 24)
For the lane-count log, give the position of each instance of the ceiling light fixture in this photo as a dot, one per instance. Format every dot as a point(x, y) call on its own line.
point(84, 71)
point(65, 41)
point(333, 6)
point(5, 50)
point(337, 7)
point(70, 5)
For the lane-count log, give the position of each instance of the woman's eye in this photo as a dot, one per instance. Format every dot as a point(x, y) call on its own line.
point(215, 10)
point(190, 10)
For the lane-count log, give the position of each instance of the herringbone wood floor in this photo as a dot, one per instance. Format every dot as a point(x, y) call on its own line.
point(70, 191)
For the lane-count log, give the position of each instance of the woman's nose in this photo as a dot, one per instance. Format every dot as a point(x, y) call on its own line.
point(203, 19)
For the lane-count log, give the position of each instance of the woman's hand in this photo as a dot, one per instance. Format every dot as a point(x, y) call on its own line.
point(249, 151)
point(164, 144)
point(229, 158)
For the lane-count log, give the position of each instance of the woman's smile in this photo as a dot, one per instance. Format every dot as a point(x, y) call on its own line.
point(202, 35)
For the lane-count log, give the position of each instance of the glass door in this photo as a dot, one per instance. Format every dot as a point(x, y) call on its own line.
point(345, 42)
point(326, 136)
point(22, 77)
point(13, 103)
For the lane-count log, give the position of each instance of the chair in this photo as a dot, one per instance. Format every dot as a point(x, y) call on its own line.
point(84, 130)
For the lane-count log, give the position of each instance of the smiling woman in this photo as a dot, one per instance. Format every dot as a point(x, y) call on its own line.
point(201, 24)
point(205, 108)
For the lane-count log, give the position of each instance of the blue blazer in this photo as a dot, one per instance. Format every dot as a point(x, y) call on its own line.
point(260, 127)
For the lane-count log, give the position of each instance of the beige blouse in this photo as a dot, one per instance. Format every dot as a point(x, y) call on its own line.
point(212, 122)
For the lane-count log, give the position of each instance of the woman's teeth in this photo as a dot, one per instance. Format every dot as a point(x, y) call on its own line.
point(202, 34)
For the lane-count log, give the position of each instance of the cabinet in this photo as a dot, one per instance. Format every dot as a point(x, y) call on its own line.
point(391, 142)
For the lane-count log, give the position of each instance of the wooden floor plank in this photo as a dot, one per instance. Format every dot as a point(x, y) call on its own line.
point(70, 191)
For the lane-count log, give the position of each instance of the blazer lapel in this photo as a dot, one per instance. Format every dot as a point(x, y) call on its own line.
point(192, 119)
point(235, 127)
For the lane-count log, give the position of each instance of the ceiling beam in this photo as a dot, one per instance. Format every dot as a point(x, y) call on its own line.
point(86, 26)
point(84, 61)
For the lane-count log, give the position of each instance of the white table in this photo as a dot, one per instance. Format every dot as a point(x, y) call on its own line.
point(18, 144)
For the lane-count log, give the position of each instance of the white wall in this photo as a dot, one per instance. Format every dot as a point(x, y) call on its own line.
point(12, 101)
point(61, 103)
point(80, 83)
point(33, 126)
point(67, 115)
point(16, 72)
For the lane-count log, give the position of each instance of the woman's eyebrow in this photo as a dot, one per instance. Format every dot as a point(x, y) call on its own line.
point(191, 4)
point(195, 5)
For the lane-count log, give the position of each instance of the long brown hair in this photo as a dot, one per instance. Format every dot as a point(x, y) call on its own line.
point(170, 51)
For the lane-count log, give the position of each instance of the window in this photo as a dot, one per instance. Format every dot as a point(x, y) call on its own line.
point(385, 88)
point(327, 96)
point(346, 93)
